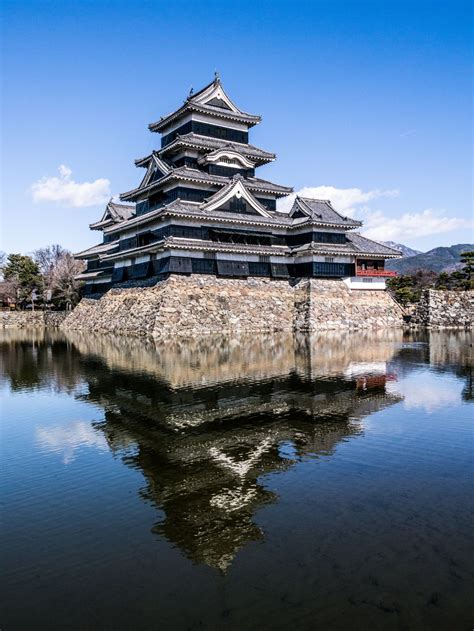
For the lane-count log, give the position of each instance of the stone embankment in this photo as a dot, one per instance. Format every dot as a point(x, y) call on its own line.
point(322, 305)
point(31, 319)
point(444, 309)
point(188, 305)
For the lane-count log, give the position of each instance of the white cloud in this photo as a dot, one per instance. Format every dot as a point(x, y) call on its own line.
point(354, 202)
point(344, 200)
point(429, 392)
point(67, 439)
point(409, 225)
point(65, 190)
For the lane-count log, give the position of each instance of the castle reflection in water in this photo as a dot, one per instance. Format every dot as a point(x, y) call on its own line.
point(205, 420)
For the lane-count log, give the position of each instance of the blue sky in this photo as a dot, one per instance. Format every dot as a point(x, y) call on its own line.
point(367, 103)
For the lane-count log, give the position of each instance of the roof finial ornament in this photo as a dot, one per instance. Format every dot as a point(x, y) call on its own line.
point(217, 76)
point(191, 92)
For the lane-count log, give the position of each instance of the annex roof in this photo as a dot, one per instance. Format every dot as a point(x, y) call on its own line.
point(368, 246)
point(321, 211)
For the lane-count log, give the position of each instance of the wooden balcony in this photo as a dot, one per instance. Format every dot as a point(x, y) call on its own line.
point(375, 272)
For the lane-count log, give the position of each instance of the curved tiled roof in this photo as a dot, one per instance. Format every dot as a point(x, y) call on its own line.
point(204, 103)
point(195, 175)
point(218, 112)
point(320, 210)
point(371, 247)
point(114, 213)
point(195, 141)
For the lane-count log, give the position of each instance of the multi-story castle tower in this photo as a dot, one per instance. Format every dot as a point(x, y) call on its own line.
point(201, 209)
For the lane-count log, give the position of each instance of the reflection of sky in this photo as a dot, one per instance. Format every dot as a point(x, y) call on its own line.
point(365, 368)
point(66, 440)
point(428, 391)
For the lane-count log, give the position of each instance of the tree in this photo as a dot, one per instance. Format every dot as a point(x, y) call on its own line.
point(9, 290)
point(25, 273)
point(3, 260)
point(467, 259)
point(63, 279)
point(404, 289)
point(46, 258)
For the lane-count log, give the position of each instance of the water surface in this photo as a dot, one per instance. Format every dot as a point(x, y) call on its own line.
point(263, 482)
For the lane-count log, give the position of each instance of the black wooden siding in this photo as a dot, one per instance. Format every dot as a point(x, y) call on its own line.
point(317, 237)
point(234, 269)
point(204, 129)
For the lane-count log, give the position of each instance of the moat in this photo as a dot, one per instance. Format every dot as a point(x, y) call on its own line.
point(252, 482)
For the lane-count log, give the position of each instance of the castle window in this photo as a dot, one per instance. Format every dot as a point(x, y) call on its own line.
point(329, 259)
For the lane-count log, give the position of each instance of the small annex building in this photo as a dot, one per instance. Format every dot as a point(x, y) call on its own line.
point(200, 208)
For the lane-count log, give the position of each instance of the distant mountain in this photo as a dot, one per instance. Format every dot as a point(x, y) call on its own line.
point(404, 249)
point(436, 260)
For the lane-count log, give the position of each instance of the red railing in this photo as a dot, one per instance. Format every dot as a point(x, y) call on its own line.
point(374, 272)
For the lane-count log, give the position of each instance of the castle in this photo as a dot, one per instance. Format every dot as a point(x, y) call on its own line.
point(200, 209)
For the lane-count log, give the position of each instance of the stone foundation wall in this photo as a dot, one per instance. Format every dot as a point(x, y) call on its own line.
point(329, 304)
point(445, 309)
point(186, 305)
point(31, 319)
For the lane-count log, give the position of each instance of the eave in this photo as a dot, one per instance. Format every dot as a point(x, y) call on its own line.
point(175, 243)
point(94, 274)
point(100, 225)
point(242, 117)
point(183, 174)
point(207, 143)
point(96, 250)
point(311, 223)
point(200, 216)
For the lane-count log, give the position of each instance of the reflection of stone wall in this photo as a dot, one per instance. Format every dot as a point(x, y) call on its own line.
point(334, 352)
point(454, 348)
point(31, 319)
point(445, 309)
point(200, 361)
point(201, 304)
point(215, 358)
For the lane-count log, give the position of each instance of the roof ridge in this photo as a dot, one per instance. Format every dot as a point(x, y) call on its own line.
point(314, 199)
point(328, 202)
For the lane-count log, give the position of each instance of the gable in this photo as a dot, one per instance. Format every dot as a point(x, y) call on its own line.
point(217, 102)
point(297, 213)
point(156, 170)
point(236, 195)
point(214, 95)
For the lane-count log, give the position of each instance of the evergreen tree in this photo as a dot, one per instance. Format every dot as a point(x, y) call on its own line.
point(22, 270)
point(467, 259)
